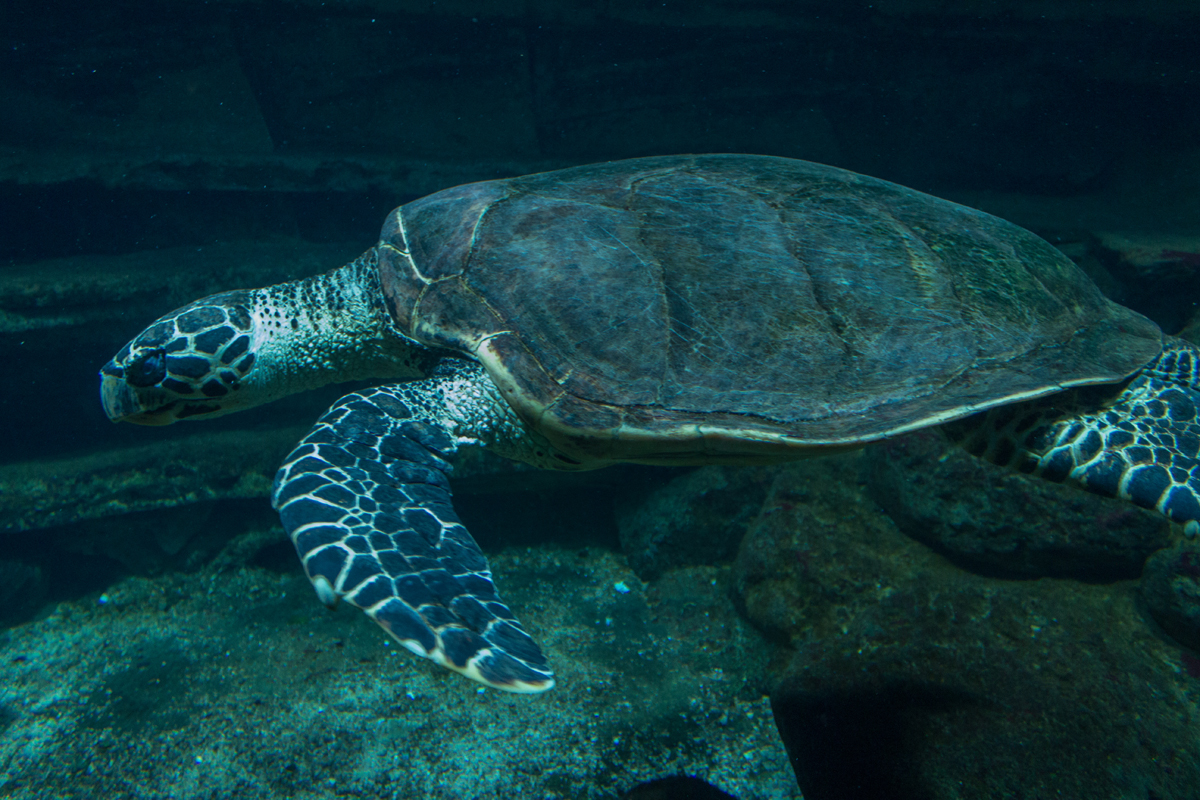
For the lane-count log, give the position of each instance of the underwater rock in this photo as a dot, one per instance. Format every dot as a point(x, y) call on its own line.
point(81, 297)
point(1171, 589)
point(901, 676)
point(168, 473)
point(993, 520)
point(204, 466)
point(22, 589)
point(695, 518)
point(1191, 331)
point(1159, 273)
point(234, 682)
point(1153, 255)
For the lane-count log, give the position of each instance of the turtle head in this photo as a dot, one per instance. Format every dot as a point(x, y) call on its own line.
point(195, 362)
point(241, 349)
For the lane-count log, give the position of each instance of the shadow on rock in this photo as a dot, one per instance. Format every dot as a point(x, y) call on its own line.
point(864, 745)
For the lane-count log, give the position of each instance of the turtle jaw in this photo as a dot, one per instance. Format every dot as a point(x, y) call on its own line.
point(122, 403)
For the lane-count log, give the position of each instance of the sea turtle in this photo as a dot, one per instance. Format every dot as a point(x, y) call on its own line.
point(673, 310)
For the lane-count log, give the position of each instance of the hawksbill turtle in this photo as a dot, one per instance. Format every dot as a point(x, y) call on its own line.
point(672, 310)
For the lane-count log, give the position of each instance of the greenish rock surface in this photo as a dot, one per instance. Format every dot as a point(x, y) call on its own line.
point(699, 517)
point(165, 474)
point(900, 675)
point(1171, 588)
point(75, 296)
point(996, 520)
point(234, 682)
point(188, 470)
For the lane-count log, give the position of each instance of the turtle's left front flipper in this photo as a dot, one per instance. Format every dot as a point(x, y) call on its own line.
point(366, 500)
point(1140, 442)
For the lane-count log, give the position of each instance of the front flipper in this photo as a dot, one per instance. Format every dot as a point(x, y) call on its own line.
point(366, 500)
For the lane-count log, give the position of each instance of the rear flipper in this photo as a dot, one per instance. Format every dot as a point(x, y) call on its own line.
point(1139, 441)
point(366, 500)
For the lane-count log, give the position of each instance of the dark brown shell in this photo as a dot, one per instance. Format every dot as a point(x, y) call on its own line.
point(697, 306)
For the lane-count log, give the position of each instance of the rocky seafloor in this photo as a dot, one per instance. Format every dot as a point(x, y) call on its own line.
point(825, 649)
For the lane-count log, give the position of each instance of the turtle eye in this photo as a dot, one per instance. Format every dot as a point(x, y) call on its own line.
point(147, 368)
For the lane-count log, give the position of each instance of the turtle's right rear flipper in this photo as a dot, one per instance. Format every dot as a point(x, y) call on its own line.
point(1139, 442)
point(366, 500)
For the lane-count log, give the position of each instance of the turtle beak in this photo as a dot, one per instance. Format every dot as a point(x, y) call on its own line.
point(116, 395)
point(121, 403)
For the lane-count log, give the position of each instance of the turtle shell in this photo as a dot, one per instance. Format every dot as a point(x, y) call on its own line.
point(695, 307)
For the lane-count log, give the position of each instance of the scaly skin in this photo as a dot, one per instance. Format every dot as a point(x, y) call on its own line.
point(366, 499)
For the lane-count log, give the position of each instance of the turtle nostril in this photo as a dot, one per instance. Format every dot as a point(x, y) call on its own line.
point(147, 368)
